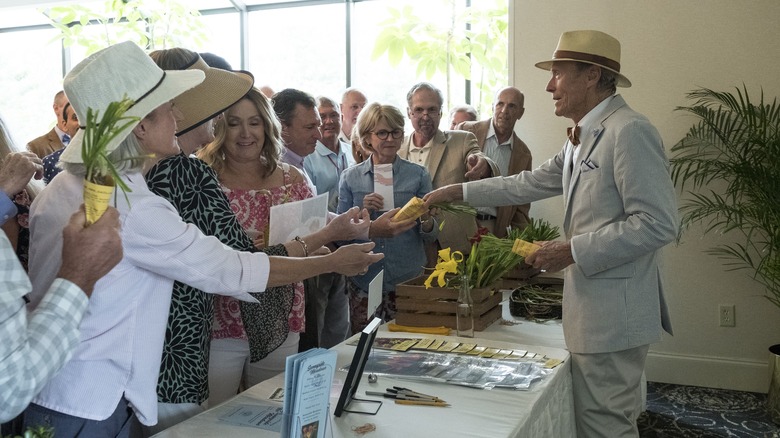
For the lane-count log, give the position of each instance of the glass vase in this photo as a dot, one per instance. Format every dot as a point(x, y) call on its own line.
point(464, 314)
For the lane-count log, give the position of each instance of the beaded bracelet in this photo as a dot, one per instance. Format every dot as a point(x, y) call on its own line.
point(303, 245)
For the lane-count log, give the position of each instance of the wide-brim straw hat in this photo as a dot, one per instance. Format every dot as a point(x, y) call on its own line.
point(110, 75)
point(591, 47)
point(220, 90)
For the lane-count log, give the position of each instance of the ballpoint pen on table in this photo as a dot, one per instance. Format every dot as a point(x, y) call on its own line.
point(407, 391)
point(423, 403)
point(401, 396)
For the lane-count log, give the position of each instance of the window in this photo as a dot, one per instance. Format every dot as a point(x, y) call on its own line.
point(31, 75)
point(304, 44)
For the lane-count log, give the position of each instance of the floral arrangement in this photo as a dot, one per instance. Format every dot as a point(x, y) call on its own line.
point(491, 257)
point(101, 174)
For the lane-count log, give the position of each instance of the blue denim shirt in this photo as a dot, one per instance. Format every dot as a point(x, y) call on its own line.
point(404, 253)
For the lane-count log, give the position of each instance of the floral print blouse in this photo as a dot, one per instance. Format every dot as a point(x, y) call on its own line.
point(253, 211)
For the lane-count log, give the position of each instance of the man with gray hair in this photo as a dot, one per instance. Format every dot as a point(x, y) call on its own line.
point(620, 210)
point(450, 157)
point(327, 305)
point(352, 102)
point(462, 113)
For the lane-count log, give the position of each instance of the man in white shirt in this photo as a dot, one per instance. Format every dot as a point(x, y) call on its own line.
point(352, 102)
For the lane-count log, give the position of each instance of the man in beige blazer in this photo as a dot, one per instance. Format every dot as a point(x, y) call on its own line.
point(450, 157)
point(620, 210)
point(497, 139)
point(52, 140)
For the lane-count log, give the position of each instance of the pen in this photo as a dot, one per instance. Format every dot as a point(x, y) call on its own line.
point(401, 396)
point(407, 391)
point(422, 403)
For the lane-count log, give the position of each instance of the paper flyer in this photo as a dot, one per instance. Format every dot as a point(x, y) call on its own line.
point(307, 400)
point(383, 185)
point(263, 417)
point(298, 218)
point(375, 292)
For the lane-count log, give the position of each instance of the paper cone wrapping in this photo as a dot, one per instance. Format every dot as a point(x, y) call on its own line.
point(412, 210)
point(96, 197)
point(523, 248)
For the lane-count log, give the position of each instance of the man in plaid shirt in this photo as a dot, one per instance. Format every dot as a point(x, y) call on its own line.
point(33, 349)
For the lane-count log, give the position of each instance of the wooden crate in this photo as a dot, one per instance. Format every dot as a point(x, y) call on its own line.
point(435, 307)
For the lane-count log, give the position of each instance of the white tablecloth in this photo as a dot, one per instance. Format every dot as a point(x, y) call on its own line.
point(544, 411)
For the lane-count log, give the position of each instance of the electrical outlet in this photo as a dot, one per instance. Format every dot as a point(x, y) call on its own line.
point(726, 315)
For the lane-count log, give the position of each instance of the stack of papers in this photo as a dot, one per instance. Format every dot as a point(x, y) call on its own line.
point(307, 380)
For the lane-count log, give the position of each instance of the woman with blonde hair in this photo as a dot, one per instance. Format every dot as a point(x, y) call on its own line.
point(246, 157)
point(380, 130)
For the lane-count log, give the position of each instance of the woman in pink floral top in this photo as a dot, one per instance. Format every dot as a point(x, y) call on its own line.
point(245, 156)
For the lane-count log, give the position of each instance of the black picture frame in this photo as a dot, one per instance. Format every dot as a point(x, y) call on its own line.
point(355, 372)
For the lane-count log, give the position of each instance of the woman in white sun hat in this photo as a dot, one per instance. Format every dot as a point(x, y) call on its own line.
point(109, 384)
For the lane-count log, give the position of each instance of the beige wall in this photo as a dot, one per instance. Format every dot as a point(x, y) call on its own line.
point(669, 48)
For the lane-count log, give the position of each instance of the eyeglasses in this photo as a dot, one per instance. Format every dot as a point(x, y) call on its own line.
point(383, 134)
point(419, 112)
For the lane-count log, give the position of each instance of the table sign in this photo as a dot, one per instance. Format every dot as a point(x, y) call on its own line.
point(356, 371)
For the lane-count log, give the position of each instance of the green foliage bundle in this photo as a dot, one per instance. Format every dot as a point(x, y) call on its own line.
point(492, 257)
point(97, 135)
point(729, 161)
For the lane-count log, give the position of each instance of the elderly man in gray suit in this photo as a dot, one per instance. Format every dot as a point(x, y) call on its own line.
point(619, 211)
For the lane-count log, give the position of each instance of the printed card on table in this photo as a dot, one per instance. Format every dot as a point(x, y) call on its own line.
point(375, 292)
point(383, 184)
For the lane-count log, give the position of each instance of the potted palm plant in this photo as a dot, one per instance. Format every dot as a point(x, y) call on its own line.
point(728, 165)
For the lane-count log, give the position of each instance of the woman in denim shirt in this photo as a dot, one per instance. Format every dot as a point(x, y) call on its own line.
point(381, 129)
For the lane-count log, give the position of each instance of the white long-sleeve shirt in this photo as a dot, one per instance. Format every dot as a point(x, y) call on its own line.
point(123, 330)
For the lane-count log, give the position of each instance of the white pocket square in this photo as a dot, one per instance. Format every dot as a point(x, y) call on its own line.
point(588, 165)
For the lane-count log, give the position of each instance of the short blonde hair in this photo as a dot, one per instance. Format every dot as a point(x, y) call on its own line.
point(371, 115)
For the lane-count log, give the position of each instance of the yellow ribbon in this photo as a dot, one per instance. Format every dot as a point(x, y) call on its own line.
point(448, 263)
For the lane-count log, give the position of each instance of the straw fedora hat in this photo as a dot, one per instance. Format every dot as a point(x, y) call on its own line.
point(590, 47)
point(113, 73)
point(216, 93)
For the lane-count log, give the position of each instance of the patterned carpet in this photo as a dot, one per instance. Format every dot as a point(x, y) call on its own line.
point(689, 411)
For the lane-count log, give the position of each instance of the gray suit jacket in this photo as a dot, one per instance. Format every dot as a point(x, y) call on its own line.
point(520, 160)
point(45, 144)
point(619, 211)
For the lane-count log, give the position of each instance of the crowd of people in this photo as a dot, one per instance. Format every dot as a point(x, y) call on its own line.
point(174, 300)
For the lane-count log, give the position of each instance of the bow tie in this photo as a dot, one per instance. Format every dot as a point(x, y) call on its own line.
point(65, 139)
point(574, 135)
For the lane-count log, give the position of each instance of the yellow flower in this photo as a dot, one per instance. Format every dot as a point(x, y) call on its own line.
point(447, 264)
